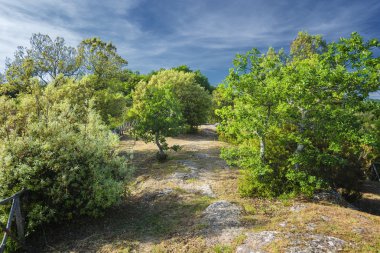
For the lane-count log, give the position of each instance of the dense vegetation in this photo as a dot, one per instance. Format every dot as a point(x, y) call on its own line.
point(302, 122)
point(297, 122)
point(58, 107)
point(62, 153)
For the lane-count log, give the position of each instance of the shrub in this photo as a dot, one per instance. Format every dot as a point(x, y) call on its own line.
point(68, 163)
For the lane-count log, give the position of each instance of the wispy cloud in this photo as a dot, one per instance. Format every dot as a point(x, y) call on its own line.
point(203, 34)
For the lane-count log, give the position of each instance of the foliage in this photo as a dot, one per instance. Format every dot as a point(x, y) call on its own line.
point(95, 63)
point(109, 99)
point(19, 78)
point(195, 100)
point(61, 152)
point(201, 79)
point(46, 59)
point(297, 120)
point(305, 45)
point(157, 114)
point(100, 58)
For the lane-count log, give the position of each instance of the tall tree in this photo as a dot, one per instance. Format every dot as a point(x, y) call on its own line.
point(100, 58)
point(301, 117)
point(48, 58)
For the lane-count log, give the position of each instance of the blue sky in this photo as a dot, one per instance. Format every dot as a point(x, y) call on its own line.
point(204, 34)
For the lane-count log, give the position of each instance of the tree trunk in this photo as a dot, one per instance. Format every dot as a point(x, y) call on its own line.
point(301, 129)
point(161, 156)
point(262, 148)
point(262, 135)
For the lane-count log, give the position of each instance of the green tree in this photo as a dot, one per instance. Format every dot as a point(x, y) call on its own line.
point(250, 109)
point(195, 100)
point(100, 58)
point(327, 90)
point(296, 120)
point(201, 79)
point(305, 45)
point(106, 76)
point(157, 114)
point(18, 78)
point(2, 78)
point(47, 57)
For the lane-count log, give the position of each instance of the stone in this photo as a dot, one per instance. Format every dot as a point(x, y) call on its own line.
point(256, 241)
point(201, 156)
point(189, 164)
point(157, 194)
point(184, 175)
point(203, 189)
point(325, 218)
point(222, 214)
point(316, 244)
point(311, 226)
point(297, 208)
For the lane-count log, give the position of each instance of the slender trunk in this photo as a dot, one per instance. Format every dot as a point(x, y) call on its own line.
point(157, 140)
point(301, 129)
point(262, 148)
point(262, 136)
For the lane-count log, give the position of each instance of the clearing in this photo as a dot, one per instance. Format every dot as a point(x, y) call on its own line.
point(190, 204)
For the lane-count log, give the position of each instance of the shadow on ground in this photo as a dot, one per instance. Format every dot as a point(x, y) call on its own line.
point(147, 219)
point(370, 202)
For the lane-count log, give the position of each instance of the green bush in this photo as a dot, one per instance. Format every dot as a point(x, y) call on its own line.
point(67, 162)
point(300, 123)
point(195, 101)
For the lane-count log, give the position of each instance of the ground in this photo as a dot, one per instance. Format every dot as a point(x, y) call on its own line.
point(191, 204)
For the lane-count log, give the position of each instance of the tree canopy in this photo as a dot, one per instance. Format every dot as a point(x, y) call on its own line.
point(296, 120)
point(157, 114)
point(46, 59)
point(195, 100)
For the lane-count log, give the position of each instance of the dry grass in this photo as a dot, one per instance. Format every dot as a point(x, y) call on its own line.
point(173, 222)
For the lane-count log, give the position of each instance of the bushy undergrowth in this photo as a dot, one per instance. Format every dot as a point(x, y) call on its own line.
point(66, 161)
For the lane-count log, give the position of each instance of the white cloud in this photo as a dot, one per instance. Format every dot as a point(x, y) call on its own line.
point(165, 33)
point(72, 20)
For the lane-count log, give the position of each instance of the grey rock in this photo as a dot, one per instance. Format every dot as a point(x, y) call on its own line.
point(333, 197)
point(189, 164)
point(201, 156)
point(325, 218)
point(311, 243)
point(256, 241)
point(203, 189)
point(297, 208)
point(184, 175)
point(222, 214)
point(311, 226)
point(157, 194)
point(359, 230)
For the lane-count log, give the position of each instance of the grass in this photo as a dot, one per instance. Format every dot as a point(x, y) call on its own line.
point(172, 222)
